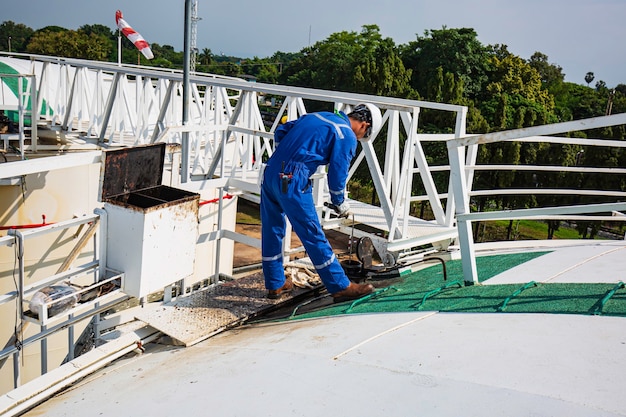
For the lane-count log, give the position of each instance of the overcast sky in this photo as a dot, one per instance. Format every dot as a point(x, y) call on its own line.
point(577, 35)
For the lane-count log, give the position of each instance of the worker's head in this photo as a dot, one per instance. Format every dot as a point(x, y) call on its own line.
point(366, 120)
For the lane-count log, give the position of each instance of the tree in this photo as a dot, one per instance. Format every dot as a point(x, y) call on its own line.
point(581, 102)
point(349, 61)
point(263, 69)
point(206, 56)
point(70, 44)
point(101, 30)
point(285, 59)
point(104, 32)
point(520, 83)
point(268, 72)
point(327, 64)
point(385, 74)
point(18, 34)
point(166, 53)
point(457, 51)
point(550, 74)
point(51, 28)
point(589, 77)
point(226, 68)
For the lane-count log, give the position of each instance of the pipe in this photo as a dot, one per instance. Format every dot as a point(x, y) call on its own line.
point(215, 200)
point(186, 64)
point(20, 309)
point(70, 372)
point(27, 226)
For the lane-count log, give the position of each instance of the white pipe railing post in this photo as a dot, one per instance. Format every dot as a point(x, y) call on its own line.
point(461, 197)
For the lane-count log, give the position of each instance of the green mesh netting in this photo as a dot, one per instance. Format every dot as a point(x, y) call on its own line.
point(426, 290)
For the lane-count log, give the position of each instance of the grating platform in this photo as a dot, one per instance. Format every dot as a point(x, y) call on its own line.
point(191, 319)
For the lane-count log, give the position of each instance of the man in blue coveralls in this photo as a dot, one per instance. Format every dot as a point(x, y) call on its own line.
point(301, 146)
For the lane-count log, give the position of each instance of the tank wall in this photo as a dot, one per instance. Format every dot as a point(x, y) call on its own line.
point(59, 195)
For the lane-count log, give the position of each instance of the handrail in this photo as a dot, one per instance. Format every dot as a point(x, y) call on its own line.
point(538, 132)
point(7, 240)
point(66, 320)
point(228, 136)
point(461, 179)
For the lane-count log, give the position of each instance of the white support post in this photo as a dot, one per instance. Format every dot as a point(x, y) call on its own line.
point(422, 164)
point(392, 153)
point(101, 249)
point(34, 112)
point(21, 108)
point(461, 197)
point(459, 132)
point(381, 189)
point(413, 148)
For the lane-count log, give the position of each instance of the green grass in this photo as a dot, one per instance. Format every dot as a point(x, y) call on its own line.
point(526, 230)
point(248, 213)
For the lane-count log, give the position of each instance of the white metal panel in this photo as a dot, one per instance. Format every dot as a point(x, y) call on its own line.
point(154, 248)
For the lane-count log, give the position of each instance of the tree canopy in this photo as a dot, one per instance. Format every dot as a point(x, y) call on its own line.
point(457, 51)
point(69, 43)
point(362, 62)
point(17, 34)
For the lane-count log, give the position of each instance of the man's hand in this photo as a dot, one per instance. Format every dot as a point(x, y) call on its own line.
point(342, 210)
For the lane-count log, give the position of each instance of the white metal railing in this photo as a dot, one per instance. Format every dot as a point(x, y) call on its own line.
point(26, 95)
point(462, 153)
point(124, 105)
point(228, 136)
point(127, 106)
point(87, 278)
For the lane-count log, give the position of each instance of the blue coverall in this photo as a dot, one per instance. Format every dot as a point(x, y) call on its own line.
point(301, 146)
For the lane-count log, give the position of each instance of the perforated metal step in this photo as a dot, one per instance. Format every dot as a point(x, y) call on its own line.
point(191, 319)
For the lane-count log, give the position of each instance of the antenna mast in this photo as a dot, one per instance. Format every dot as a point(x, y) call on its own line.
point(194, 35)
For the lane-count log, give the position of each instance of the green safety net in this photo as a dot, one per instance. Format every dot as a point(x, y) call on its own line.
point(426, 290)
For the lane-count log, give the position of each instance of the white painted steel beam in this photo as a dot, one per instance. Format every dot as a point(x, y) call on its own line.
point(553, 129)
point(33, 166)
point(543, 211)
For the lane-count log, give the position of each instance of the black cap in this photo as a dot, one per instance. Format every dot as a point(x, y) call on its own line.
point(361, 113)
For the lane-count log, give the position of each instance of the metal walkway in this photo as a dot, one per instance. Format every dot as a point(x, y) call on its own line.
point(370, 221)
point(198, 316)
point(82, 103)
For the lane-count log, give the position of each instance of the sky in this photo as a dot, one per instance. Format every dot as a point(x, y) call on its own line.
point(577, 35)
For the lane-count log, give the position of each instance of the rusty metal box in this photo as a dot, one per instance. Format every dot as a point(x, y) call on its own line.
point(152, 229)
